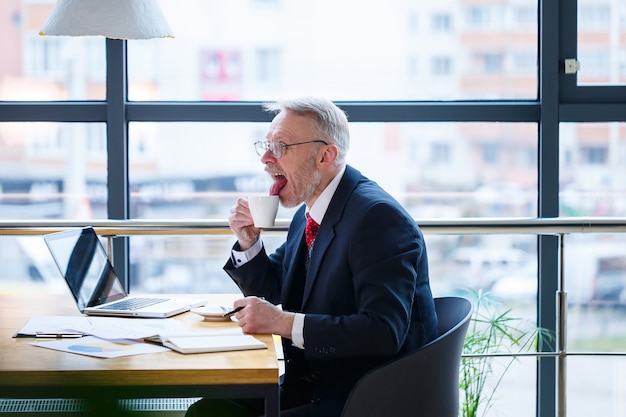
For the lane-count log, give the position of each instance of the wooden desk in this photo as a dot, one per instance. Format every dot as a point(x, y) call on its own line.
point(28, 371)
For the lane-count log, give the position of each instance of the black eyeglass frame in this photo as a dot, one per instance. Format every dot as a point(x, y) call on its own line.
point(277, 149)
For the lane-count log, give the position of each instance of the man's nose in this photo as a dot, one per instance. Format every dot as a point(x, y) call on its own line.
point(267, 157)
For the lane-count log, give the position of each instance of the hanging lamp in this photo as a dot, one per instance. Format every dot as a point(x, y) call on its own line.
point(115, 19)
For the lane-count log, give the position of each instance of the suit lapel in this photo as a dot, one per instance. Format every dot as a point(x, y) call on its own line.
point(326, 233)
point(295, 253)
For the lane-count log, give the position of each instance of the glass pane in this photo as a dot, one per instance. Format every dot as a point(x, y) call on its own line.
point(513, 396)
point(595, 280)
point(181, 264)
point(595, 277)
point(197, 170)
point(602, 42)
point(53, 171)
point(596, 386)
point(592, 177)
point(228, 50)
point(504, 267)
point(43, 68)
point(27, 267)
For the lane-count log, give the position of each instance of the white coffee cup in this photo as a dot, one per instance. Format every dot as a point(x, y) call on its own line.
point(263, 209)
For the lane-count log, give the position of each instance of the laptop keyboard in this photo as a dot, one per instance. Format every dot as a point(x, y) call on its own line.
point(133, 303)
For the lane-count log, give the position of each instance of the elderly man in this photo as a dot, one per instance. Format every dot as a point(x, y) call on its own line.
point(352, 275)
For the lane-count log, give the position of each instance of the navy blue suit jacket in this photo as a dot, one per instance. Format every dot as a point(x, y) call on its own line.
point(367, 297)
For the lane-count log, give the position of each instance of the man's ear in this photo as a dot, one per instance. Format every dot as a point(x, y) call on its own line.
point(328, 156)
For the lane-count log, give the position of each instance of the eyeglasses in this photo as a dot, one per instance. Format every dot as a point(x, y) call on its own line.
point(277, 149)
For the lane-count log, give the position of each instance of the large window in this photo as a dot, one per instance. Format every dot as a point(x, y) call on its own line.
point(459, 108)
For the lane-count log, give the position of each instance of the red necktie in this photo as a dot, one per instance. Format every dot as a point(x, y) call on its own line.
point(310, 231)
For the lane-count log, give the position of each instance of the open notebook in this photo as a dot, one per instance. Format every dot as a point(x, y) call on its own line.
point(97, 290)
point(211, 343)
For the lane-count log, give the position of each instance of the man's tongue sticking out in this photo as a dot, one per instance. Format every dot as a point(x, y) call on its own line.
point(279, 183)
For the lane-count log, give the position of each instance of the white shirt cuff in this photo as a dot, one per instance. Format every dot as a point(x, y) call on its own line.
point(297, 331)
point(241, 257)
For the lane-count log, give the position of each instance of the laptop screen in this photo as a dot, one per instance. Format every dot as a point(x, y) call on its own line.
point(84, 264)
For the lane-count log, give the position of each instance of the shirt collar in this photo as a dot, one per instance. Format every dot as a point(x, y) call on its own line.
point(318, 210)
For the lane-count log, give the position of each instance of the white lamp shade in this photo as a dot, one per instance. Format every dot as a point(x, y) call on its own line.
point(115, 19)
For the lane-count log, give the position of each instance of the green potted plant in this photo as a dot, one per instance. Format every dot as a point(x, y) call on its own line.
point(492, 330)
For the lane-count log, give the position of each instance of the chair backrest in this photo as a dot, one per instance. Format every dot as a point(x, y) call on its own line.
point(424, 383)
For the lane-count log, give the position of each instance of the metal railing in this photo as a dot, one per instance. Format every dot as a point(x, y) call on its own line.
point(456, 226)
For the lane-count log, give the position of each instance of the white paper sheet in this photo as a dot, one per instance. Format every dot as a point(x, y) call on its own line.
point(103, 327)
point(101, 348)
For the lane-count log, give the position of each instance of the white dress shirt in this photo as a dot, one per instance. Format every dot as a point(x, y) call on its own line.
point(317, 212)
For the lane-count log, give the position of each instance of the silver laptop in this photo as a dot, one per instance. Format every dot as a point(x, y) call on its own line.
point(97, 289)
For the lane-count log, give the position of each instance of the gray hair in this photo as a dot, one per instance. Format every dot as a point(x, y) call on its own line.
point(331, 121)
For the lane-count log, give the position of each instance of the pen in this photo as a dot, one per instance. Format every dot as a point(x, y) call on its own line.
point(59, 335)
point(231, 312)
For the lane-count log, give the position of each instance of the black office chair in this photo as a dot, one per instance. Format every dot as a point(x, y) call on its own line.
point(424, 383)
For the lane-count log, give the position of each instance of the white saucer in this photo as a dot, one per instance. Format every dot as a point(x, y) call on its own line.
point(212, 313)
